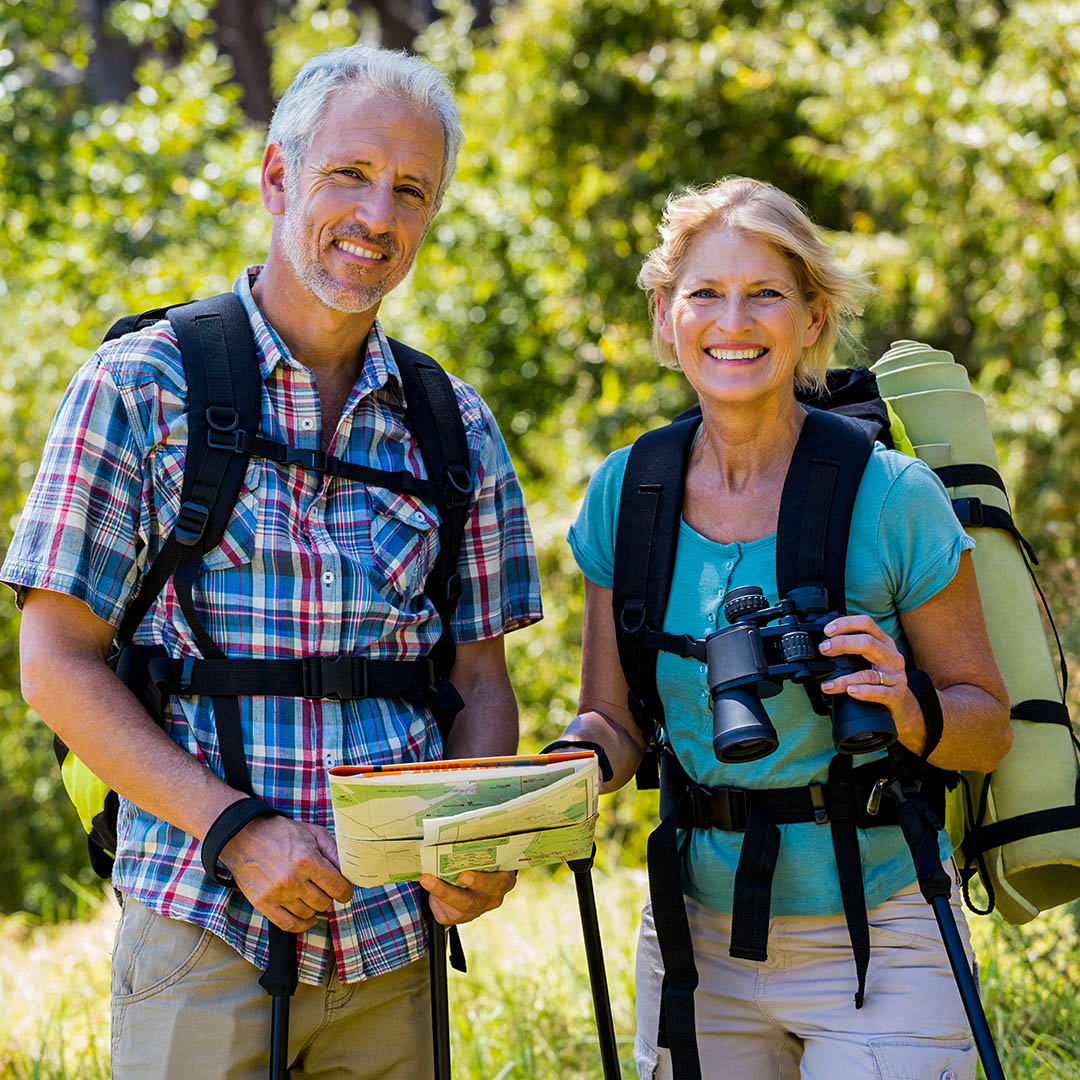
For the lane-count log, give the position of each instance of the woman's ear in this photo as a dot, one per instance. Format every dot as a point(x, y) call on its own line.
point(663, 321)
point(818, 309)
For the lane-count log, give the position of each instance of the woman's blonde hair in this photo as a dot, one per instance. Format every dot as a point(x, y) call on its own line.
point(763, 211)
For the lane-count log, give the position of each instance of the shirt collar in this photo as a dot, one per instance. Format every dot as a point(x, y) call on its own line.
point(380, 369)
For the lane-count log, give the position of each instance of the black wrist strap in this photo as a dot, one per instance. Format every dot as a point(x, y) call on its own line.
point(576, 746)
point(921, 685)
point(226, 825)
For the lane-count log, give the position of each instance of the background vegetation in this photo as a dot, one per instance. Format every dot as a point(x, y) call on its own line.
point(937, 140)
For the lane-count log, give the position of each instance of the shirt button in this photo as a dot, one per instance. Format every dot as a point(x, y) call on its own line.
point(329, 761)
point(948, 1074)
point(729, 566)
point(328, 578)
point(307, 423)
point(712, 617)
point(704, 693)
point(419, 515)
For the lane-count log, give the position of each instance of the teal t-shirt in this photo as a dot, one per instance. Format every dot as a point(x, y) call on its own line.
point(904, 547)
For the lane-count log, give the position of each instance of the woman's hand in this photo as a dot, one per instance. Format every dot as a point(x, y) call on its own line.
point(884, 682)
point(949, 642)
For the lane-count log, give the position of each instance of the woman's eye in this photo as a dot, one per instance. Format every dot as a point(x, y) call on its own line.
point(705, 294)
point(769, 294)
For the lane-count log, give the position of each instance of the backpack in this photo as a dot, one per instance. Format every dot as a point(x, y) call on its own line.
point(812, 533)
point(224, 387)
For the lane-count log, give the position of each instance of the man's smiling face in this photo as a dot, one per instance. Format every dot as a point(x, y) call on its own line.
point(358, 204)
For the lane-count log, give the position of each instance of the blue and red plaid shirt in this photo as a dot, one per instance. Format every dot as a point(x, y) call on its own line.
point(309, 565)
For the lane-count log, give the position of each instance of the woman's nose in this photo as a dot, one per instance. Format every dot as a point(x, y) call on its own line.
point(732, 313)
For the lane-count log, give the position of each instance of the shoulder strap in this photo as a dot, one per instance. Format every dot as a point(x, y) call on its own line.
point(816, 505)
point(434, 417)
point(224, 400)
point(650, 509)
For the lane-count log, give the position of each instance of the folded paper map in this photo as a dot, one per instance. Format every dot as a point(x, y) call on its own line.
point(396, 822)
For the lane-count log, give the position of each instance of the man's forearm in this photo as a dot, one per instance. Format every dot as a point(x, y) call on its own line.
point(66, 681)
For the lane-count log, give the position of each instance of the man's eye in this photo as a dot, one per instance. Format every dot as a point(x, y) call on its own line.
point(413, 193)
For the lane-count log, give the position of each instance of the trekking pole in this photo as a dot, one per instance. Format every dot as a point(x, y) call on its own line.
point(920, 828)
point(440, 998)
point(279, 981)
point(594, 954)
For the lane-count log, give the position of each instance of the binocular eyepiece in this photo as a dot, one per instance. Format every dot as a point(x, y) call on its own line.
point(749, 660)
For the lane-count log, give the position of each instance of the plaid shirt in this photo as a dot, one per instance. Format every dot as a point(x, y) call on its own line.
point(309, 565)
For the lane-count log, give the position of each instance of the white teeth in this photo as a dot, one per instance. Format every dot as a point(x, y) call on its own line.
point(736, 354)
point(356, 249)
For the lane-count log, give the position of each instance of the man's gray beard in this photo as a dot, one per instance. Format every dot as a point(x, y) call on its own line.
point(348, 299)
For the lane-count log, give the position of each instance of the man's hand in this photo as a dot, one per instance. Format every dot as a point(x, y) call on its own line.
point(287, 869)
point(475, 893)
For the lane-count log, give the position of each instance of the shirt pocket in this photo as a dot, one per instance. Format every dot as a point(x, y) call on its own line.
point(237, 545)
point(404, 541)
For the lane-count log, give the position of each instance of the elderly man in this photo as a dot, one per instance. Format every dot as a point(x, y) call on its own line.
point(312, 564)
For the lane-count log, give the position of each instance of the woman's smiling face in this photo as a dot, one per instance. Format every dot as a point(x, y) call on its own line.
point(737, 318)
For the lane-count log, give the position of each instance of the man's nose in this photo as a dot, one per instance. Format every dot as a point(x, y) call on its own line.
point(375, 209)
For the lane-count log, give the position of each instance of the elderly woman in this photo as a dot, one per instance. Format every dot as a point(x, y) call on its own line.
point(748, 299)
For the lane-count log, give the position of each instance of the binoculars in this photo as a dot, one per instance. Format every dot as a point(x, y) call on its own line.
point(749, 660)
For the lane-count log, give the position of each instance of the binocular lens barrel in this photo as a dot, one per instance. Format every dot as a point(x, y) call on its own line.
point(860, 727)
point(742, 730)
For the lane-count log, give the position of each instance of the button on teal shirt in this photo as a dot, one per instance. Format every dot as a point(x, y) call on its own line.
point(904, 548)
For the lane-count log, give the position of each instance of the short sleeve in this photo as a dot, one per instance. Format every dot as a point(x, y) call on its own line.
point(79, 532)
point(497, 562)
point(919, 536)
point(592, 536)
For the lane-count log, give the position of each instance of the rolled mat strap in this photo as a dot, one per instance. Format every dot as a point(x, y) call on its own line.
point(1009, 830)
point(226, 825)
point(1041, 711)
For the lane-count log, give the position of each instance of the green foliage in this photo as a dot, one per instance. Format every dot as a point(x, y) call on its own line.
point(937, 140)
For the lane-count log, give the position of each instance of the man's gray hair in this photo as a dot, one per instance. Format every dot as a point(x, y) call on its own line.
point(365, 69)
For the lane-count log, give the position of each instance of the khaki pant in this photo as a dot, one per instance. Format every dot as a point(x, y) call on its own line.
point(186, 1006)
point(794, 1014)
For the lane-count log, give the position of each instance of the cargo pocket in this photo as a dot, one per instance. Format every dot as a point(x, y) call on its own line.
point(152, 952)
point(912, 1058)
point(404, 541)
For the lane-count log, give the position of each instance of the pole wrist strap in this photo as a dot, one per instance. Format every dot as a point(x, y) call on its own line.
point(575, 746)
point(226, 825)
point(921, 685)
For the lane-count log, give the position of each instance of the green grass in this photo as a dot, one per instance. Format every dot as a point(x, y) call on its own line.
point(523, 1011)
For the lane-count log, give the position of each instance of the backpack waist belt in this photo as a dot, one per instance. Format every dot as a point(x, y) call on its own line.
point(337, 678)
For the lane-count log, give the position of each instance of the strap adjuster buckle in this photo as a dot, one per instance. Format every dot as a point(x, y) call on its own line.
point(725, 808)
point(817, 802)
point(460, 487)
point(218, 439)
point(331, 678)
point(191, 523)
point(969, 511)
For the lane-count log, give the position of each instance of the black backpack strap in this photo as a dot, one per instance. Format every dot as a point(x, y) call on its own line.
point(650, 510)
point(434, 417)
point(817, 502)
point(224, 399)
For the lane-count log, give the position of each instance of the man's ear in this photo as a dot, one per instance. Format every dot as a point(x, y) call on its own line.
point(272, 177)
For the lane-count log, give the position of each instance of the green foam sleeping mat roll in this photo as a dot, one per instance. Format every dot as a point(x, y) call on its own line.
point(946, 422)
